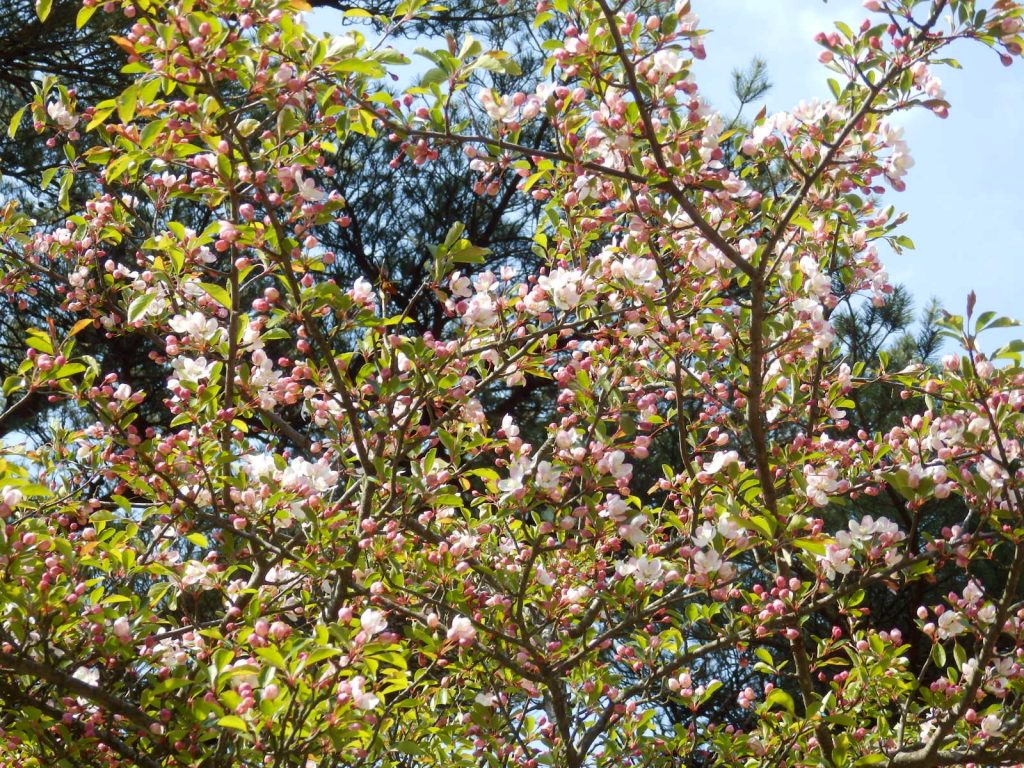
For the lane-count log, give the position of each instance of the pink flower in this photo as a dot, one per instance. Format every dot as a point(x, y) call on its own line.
point(122, 630)
point(462, 630)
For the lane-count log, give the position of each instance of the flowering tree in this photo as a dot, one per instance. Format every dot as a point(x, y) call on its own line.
point(405, 578)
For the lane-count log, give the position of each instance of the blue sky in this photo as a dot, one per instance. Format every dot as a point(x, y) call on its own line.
point(964, 194)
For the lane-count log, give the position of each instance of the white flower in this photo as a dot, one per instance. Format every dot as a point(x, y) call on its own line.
point(973, 592)
point(509, 426)
point(648, 570)
point(643, 272)
point(498, 108)
point(189, 371)
point(563, 287)
point(614, 464)
point(949, 625)
point(361, 291)
point(77, 278)
point(280, 575)
point(196, 573)
point(301, 473)
point(577, 594)
point(60, 114)
point(667, 62)
point(992, 473)
point(87, 675)
point(991, 726)
point(122, 629)
point(516, 472)
point(195, 325)
point(615, 508)
point(704, 535)
point(868, 529)
point(544, 578)
point(481, 310)
point(11, 496)
point(360, 698)
point(547, 477)
point(264, 378)
point(821, 481)
point(461, 630)
point(307, 189)
point(260, 466)
point(721, 460)
point(730, 529)
point(486, 699)
point(987, 615)
point(462, 542)
point(373, 622)
point(536, 301)
point(709, 561)
point(634, 532)
point(644, 570)
point(817, 283)
point(251, 336)
point(473, 412)
point(837, 559)
point(460, 285)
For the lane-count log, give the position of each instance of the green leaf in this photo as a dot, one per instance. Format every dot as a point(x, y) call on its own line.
point(959, 655)
point(248, 126)
point(13, 383)
point(151, 131)
point(218, 293)
point(320, 654)
point(39, 340)
point(118, 167)
point(66, 370)
point(138, 306)
point(763, 526)
point(47, 177)
point(233, 721)
point(43, 9)
point(464, 253)
point(993, 320)
point(65, 190)
point(126, 104)
point(12, 129)
point(103, 110)
point(875, 759)
point(779, 698)
point(809, 545)
point(271, 654)
point(497, 61)
point(84, 14)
